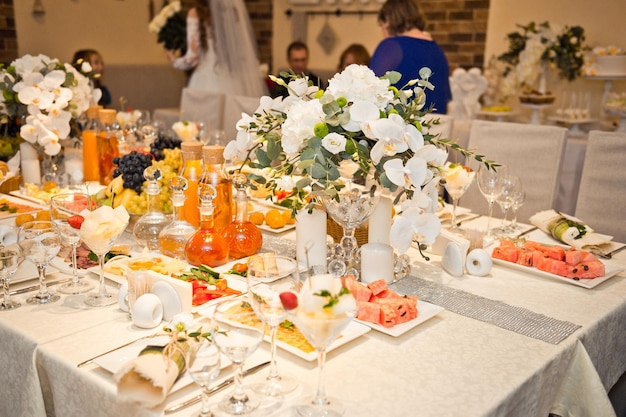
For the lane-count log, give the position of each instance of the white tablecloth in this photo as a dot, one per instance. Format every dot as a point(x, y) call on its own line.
point(451, 365)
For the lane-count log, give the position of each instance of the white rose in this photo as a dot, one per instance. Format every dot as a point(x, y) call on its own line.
point(334, 143)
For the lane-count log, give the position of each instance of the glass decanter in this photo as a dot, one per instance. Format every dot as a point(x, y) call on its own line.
point(207, 246)
point(174, 236)
point(148, 227)
point(243, 237)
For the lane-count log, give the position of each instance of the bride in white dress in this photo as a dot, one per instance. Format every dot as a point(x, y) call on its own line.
point(221, 49)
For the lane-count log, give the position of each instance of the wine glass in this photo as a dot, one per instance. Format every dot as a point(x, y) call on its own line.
point(456, 184)
point(518, 199)
point(321, 318)
point(236, 332)
point(39, 242)
point(100, 229)
point(510, 186)
point(8, 267)
point(490, 185)
point(264, 288)
point(62, 207)
point(204, 369)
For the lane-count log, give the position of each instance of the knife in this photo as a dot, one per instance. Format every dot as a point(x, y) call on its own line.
point(213, 390)
point(36, 287)
point(90, 360)
point(525, 232)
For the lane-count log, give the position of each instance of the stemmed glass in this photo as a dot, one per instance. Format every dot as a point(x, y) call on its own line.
point(518, 199)
point(321, 319)
point(204, 369)
point(264, 289)
point(511, 185)
point(62, 207)
point(8, 267)
point(39, 242)
point(490, 185)
point(234, 332)
point(456, 187)
point(100, 229)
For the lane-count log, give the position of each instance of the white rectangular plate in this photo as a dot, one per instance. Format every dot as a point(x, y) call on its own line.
point(113, 361)
point(353, 331)
point(425, 310)
point(27, 271)
point(609, 272)
point(264, 207)
point(36, 206)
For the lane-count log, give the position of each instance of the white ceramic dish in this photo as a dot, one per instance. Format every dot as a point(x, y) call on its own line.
point(22, 201)
point(353, 331)
point(282, 269)
point(27, 271)
point(66, 268)
point(425, 310)
point(609, 272)
point(264, 207)
point(114, 360)
point(169, 298)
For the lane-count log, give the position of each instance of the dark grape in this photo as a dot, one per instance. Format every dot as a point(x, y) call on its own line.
point(163, 142)
point(131, 167)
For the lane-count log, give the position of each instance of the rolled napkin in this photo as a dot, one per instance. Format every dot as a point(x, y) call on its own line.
point(147, 379)
point(570, 230)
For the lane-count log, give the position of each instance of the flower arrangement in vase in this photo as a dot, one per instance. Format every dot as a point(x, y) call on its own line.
point(299, 144)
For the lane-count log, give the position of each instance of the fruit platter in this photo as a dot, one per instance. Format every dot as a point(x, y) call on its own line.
point(557, 262)
point(385, 310)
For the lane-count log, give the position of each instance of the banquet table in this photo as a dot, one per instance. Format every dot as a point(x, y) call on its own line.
point(450, 365)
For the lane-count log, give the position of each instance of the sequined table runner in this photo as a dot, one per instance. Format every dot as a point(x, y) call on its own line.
point(517, 319)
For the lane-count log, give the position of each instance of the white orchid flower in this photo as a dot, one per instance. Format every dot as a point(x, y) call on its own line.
point(285, 183)
point(413, 224)
point(361, 113)
point(413, 173)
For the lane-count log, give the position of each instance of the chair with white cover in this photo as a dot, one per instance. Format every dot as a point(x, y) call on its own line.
point(534, 153)
point(202, 106)
point(233, 107)
point(601, 197)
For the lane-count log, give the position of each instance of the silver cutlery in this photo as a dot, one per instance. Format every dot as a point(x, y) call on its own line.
point(36, 287)
point(467, 219)
point(527, 231)
point(213, 390)
point(90, 360)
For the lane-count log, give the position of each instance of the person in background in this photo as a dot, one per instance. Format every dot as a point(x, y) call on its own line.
point(353, 54)
point(221, 52)
point(298, 61)
point(94, 59)
point(407, 48)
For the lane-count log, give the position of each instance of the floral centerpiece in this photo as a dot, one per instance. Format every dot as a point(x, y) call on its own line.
point(42, 98)
point(537, 44)
point(171, 27)
point(300, 142)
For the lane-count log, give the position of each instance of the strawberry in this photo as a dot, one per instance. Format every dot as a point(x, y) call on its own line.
point(76, 221)
point(289, 300)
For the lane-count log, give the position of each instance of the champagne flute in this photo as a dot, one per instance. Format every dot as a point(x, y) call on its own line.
point(456, 184)
point(510, 186)
point(518, 200)
point(264, 288)
point(235, 331)
point(8, 267)
point(321, 318)
point(204, 369)
point(62, 206)
point(490, 185)
point(39, 242)
point(100, 229)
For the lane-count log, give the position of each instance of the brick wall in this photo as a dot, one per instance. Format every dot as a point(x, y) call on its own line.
point(8, 36)
point(261, 17)
point(460, 27)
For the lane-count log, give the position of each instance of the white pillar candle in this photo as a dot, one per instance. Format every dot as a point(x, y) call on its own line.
point(380, 222)
point(376, 262)
point(30, 171)
point(311, 238)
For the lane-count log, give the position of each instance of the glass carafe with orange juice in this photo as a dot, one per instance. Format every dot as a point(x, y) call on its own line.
point(243, 237)
point(207, 246)
point(174, 236)
point(213, 174)
point(91, 171)
point(107, 145)
point(191, 171)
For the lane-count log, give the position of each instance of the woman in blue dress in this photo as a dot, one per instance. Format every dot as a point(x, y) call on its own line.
point(407, 48)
